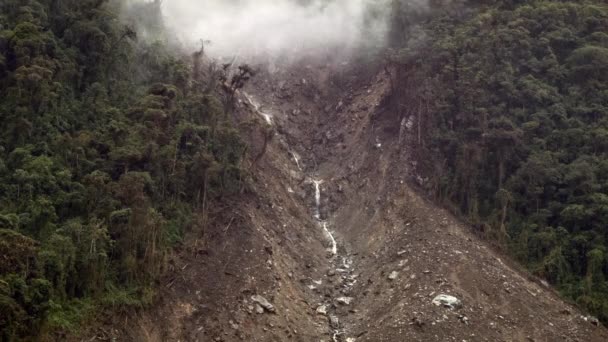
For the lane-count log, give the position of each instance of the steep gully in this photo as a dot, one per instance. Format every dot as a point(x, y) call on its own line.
point(397, 241)
point(333, 242)
point(339, 262)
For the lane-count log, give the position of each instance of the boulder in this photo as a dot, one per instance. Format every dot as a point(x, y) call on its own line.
point(447, 301)
point(263, 302)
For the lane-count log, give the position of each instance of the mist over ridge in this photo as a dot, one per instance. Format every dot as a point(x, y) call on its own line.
point(259, 28)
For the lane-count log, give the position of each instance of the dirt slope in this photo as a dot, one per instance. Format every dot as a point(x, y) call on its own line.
point(395, 250)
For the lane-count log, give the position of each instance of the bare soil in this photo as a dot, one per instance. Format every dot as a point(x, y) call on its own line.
point(396, 249)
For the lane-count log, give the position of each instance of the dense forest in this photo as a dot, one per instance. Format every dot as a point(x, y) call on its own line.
point(109, 145)
point(513, 101)
point(113, 146)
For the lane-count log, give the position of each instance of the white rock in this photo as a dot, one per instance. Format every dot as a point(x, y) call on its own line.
point(322, 310)
point(447, 301)
point(344, 300)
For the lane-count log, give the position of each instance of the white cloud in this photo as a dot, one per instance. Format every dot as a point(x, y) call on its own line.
point(276, 27)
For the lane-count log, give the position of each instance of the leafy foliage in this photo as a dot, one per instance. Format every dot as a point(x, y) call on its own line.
point(517, 123)
point(107, 148)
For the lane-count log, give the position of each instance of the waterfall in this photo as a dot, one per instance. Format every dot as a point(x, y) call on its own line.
point(317, 184)
point(317, 215)
point(334, 245)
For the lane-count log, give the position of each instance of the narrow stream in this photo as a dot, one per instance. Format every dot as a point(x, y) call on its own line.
point(256, 106)
point(340, 265)
point(323, 223)
point(296, 158)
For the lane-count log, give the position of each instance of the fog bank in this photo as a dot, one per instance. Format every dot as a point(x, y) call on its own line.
point(252, 28)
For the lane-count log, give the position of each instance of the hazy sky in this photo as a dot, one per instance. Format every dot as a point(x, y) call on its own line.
point(253, 27)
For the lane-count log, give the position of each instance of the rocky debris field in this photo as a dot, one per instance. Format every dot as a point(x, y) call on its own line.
point(332, 242)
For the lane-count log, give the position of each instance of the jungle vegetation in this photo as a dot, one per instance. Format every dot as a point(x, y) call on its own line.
point(512, 98)
point(110, 148)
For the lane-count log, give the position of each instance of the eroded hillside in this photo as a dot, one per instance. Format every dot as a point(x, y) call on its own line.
point(271, 170)
point(332, 241)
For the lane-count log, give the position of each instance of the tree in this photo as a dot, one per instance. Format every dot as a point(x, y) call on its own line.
point(517, 129)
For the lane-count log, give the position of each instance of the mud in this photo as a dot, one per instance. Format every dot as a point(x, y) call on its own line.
point(359, 256)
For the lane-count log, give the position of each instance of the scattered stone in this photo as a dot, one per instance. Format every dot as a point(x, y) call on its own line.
point(322, 310)
point(394, 275)
point(334, 322)
point(464, 319)
point(447, 301)
point(345, 300)
point(592, 320)
point(263, 302)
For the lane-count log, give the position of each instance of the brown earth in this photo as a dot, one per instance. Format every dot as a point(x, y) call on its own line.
point(266, 242)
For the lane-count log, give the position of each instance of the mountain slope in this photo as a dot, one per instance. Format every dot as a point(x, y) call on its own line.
point(395, 251)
